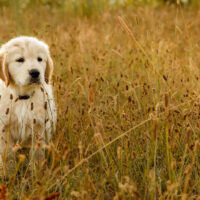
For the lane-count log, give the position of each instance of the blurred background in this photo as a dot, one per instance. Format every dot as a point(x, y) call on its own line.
point(89, 7)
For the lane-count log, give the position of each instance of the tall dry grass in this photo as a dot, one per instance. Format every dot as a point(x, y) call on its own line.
point(127, 90)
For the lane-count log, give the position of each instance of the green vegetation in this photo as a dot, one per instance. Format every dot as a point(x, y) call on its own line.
point(127, 89)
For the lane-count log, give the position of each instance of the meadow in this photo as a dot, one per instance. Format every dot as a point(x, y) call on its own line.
point(126, 84)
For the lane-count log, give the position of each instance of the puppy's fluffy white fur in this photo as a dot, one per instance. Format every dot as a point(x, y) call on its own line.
point(27, 111)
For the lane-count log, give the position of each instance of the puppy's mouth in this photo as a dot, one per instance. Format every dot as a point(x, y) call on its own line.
point(34, 81)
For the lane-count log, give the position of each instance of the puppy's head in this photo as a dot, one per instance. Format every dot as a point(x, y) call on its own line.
point(25, 61)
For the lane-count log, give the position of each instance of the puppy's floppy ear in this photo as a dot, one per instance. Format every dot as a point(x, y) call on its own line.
point(49, 69)
point(4, 75)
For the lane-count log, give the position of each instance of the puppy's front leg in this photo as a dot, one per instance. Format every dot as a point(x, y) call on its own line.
point(7, 156)
point(2, 150)
point(37, 152)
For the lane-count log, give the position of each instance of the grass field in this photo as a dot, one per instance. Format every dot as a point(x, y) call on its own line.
point(126, 84)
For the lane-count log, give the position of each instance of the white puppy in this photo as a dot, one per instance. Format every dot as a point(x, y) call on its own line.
point(27, 111)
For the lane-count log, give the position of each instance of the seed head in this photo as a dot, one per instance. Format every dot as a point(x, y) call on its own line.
point(22, 157)
point(45, 105)
point(31, 105)
point(42, 89)
point(7, 111)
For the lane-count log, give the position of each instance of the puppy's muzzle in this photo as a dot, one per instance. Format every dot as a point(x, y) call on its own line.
point(34, 74)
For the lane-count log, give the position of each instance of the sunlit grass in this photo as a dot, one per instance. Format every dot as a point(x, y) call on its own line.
point(127, 89)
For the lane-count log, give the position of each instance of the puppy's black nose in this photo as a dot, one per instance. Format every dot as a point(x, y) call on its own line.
point(34, 73)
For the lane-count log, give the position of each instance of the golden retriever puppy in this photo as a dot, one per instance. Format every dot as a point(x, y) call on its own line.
point(27, 110)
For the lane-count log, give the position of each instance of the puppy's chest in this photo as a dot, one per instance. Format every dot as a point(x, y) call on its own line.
point(27, 111)
point(27, 117)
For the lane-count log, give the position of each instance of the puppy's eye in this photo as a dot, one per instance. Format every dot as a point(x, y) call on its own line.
point(39, 59)
point(20, 60)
